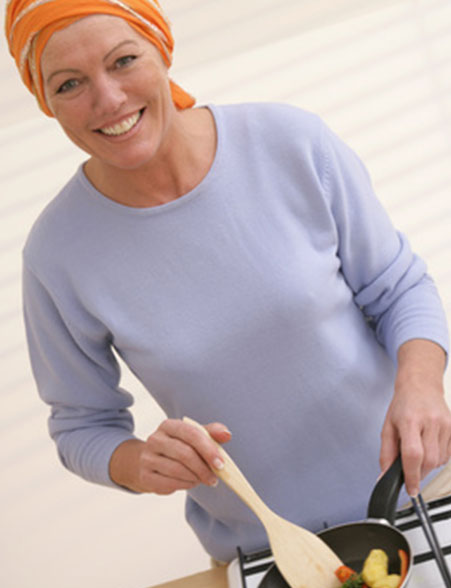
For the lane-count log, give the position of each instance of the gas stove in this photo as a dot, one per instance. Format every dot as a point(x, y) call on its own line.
point(247, 569)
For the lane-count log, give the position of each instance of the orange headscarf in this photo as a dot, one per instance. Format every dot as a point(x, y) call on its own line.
point(30, 24)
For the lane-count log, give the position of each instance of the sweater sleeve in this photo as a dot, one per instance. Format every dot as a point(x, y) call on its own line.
point(390, 283)
point(77, 375)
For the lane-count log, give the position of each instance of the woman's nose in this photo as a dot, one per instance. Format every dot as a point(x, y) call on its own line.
point(108, 95)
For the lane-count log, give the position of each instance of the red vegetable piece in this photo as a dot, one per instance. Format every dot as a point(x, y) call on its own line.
point(344, 572)
point(404, 559)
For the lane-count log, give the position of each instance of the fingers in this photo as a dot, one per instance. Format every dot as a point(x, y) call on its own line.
point(417, 424)
point(394, 441)
point(389, 446)
point(432, 451)
point(174, 459)
point(423, 449)
point(179, 456)
point(176, 451)
point(412, 453)
point(445, 449)
point(204, 446)
point(219, 432)
point(408, 440)
point(159, 480)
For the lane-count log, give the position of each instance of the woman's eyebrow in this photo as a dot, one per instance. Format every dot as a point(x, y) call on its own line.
point(118, 46)
point(60, 71)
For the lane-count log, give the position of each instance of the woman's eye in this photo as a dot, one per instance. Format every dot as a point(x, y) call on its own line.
point(123, 61)
point(69, 85)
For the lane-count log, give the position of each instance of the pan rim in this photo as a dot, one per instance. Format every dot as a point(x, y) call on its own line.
point(381, 524)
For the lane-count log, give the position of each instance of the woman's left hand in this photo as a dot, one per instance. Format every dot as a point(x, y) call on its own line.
point(418, 421)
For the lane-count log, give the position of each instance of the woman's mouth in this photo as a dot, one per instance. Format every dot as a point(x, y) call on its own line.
point(122, 127)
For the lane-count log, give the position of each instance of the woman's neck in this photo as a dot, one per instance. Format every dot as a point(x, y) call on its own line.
point(179, 167)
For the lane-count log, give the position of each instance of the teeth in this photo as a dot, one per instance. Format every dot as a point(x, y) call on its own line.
point(121, 127)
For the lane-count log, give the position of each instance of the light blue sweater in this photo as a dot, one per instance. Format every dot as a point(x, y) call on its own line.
point(273, 297)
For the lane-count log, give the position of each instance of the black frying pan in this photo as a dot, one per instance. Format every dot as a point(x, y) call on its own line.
point(352, 542)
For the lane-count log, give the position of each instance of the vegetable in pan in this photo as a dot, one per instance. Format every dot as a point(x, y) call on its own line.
point(374, 573)
point(349, 577)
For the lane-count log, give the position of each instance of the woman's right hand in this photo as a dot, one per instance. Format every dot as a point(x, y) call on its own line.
point(177, 456)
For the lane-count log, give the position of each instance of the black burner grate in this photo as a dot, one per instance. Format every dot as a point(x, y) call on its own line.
point(259, 561)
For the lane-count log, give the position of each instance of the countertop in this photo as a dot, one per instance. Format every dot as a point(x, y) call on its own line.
point(217, 578)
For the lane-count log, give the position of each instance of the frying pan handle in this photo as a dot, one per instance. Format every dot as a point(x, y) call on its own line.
point(384, 498)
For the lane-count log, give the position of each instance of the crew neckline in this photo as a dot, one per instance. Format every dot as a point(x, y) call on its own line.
point(186, 198)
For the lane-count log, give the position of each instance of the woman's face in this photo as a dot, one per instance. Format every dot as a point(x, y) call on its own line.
point(108, 88)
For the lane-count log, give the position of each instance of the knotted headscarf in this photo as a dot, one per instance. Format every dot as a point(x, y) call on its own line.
point(30, 24)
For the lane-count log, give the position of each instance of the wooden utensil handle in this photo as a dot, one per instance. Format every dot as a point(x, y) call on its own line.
point(234, 478)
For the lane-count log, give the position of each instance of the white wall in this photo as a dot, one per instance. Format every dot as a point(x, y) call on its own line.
point(379, 73)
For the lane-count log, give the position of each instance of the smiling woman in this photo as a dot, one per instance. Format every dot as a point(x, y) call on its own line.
point(114, 90)
point(29, 26)
point(112, 97)
point(239, 262)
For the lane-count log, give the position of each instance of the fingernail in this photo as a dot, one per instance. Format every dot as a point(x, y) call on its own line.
point(214, 483)
point(218, 464)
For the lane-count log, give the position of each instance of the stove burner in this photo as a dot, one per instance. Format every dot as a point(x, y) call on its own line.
point(248, 568)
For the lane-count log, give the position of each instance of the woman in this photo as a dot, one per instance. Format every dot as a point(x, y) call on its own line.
point(238, 261)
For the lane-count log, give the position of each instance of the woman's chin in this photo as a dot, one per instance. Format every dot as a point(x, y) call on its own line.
point(121, 162)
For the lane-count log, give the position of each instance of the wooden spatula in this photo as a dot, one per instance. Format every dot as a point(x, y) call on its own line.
point(303, 559)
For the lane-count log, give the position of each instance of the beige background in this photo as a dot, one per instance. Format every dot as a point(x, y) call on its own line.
point(380, 75)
